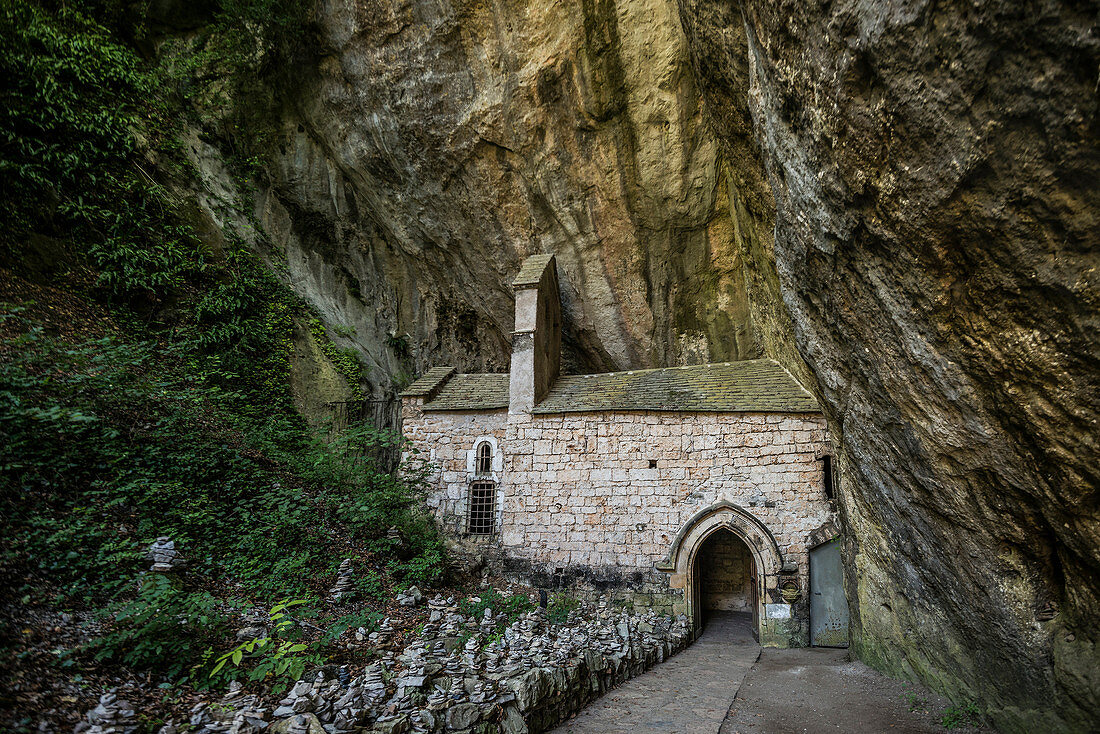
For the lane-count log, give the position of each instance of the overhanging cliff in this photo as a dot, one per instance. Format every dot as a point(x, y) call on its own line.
point(934, 169)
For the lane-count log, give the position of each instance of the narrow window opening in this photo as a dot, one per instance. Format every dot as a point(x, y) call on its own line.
point(652, 463)
point(483, 502)
point(484, 458)
point(827, 475)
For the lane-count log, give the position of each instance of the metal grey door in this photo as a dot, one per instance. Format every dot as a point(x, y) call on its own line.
point(828, 605)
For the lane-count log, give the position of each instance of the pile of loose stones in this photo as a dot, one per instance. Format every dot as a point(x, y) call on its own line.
point(460, 674)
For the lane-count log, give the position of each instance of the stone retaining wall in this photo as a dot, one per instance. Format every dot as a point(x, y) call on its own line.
point(477, 677)
point(547, 697)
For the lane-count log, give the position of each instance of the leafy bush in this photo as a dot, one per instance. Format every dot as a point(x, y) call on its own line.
point(512, 605)
point(182, 423)
point(107, 447)
point(74, 95)
point(368, 620)
point(958, 717)
point(163, 627)
point(423, 569)
point(279, 656)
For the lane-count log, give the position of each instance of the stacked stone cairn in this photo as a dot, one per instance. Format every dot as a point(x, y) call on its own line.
point(343, 581)
point(531, 676)
point(256, 622)
point(164, 555)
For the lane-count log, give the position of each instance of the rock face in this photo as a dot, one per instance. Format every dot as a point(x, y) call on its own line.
point(934, 169)
point(897, 201)
point(437, 145)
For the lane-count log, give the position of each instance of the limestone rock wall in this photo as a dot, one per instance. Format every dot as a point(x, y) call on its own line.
point(933, 168)
point(438, 144)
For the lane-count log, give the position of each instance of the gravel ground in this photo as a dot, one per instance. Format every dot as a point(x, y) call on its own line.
point(820, 690)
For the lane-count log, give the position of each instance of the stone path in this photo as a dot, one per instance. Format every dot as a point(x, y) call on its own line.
point(688, 694)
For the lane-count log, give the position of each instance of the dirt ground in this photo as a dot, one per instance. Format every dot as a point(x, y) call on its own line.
point(820, 690)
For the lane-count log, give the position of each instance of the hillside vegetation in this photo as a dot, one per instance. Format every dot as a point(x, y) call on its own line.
point(144, 383)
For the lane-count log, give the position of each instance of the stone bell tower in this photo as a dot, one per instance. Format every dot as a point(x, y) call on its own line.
point(536, 341)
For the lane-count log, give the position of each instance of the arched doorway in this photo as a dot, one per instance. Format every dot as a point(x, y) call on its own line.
point(683, 554)
point(726, 581)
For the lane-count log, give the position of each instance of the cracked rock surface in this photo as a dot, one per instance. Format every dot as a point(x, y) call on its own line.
point(933, 168)
point(895, 200)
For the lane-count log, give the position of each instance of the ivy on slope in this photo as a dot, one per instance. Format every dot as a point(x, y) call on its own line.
point(181, 424)
point(109, 444)
point(72, 101)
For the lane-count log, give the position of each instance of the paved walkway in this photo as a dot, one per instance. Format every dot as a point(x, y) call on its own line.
point(689, 693)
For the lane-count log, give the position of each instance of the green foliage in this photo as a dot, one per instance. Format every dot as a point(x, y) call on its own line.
point(423, 569)
point(346, 361)
point(958, 717)
point(77, 101)
point(279, 656)
point(282, 657)
point(243, 324)
point(347, 332)
point(369, 585)
point(183, 425)
point(368, 620)
point(164, 626)
point(107, 445)
point(915, 701)
point(73, 97)
point(557, 611)
point(512, 605)
point(399, 343)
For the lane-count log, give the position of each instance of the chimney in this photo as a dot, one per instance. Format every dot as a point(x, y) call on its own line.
point(536, 342)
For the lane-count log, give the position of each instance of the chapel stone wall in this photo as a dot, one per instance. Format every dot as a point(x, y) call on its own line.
point(446, 441)
point(594, 500)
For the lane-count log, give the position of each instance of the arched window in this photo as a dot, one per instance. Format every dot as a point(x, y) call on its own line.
point(481, 503)
point(484, 458)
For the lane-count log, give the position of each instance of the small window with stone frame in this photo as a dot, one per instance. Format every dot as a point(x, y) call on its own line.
point(483, 463)
point(827, 476)
point(481, 517)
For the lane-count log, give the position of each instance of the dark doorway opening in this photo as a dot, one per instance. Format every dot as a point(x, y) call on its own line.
point(726, 581)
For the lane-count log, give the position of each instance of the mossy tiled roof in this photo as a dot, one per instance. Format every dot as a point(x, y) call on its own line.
point(530, 273)
point(752, 386)
point(423, 386)
point(472, 392)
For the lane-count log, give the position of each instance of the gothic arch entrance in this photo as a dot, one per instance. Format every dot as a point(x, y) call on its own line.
point(690, 546)
point(725, 580)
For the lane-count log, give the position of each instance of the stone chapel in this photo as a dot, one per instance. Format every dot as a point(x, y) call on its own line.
point(690, 489)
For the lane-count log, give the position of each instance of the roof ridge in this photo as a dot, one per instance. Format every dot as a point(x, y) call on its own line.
point(683, 367)
point(757, 385)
